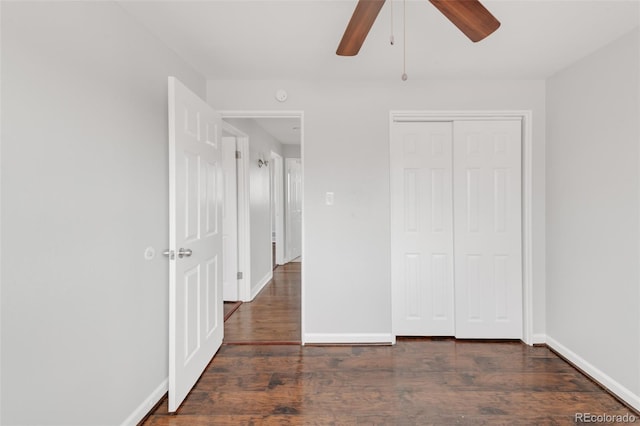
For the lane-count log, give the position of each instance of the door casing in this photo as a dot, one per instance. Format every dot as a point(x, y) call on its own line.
point(527, 190)
point(230, 220)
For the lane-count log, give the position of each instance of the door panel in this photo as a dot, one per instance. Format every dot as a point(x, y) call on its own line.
point(422, 229)
point(488, 236)
point(213, 307)
point(294, 207)
point(230, 221)
point(278, 205)
point(195, 203)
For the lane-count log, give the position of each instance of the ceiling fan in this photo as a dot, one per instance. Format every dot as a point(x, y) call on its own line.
point(470, 16)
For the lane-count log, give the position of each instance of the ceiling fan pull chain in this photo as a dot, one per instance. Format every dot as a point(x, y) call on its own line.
point(392, 38)
point(404, 42)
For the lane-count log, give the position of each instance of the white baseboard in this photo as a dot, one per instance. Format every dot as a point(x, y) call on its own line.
point(346, 338)
point(538, 339)
point(264, 281)
point(146, 406)
point(598, 375)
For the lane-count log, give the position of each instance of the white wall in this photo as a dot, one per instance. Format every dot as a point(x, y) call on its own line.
point(346, 151)
point(593, 211)
point(291, 151)
point(260, 146)
point(84, 191)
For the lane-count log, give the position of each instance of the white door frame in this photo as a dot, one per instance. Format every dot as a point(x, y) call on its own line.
point(230, 219)
point(244, 234)
point(527, 188)
point(245, 179)
point(278, 207)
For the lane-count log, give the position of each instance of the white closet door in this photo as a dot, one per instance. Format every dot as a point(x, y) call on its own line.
point(421, 229)
point(488, 236)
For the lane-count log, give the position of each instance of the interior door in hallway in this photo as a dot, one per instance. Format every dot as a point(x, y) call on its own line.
point(487, 185)
point(277, 207)
point(229, 221)
point(422, 229)
point(294, 207)
point(195, 239)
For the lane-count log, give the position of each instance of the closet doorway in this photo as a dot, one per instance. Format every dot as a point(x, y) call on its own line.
point(459, 200)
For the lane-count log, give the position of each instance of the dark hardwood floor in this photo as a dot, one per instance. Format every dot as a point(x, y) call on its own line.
point(273, 316)
point(415, 382)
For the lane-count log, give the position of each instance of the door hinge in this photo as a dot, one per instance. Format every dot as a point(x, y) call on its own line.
point(238, 154)
point(239, 275)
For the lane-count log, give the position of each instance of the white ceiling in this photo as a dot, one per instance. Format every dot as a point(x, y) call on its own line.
point(283, 129)
point(296, 39)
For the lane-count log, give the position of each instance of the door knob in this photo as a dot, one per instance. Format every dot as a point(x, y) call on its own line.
point(170, 254)
point(184, 253)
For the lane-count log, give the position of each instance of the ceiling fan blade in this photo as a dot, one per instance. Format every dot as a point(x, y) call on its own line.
point(361, 21)
point(470, 16)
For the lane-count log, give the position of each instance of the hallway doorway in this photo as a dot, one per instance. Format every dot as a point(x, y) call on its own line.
point(271, 310)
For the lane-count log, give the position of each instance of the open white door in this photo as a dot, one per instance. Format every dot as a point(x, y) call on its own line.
point(294, 207)
point(277, 189)
point(230, 221)
point(195, 237)
point(488, 231)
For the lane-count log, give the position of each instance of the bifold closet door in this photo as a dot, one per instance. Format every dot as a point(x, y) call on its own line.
point(487, 236)
point(422, 228)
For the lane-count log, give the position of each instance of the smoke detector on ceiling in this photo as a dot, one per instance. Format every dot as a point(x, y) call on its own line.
point(281, 95)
